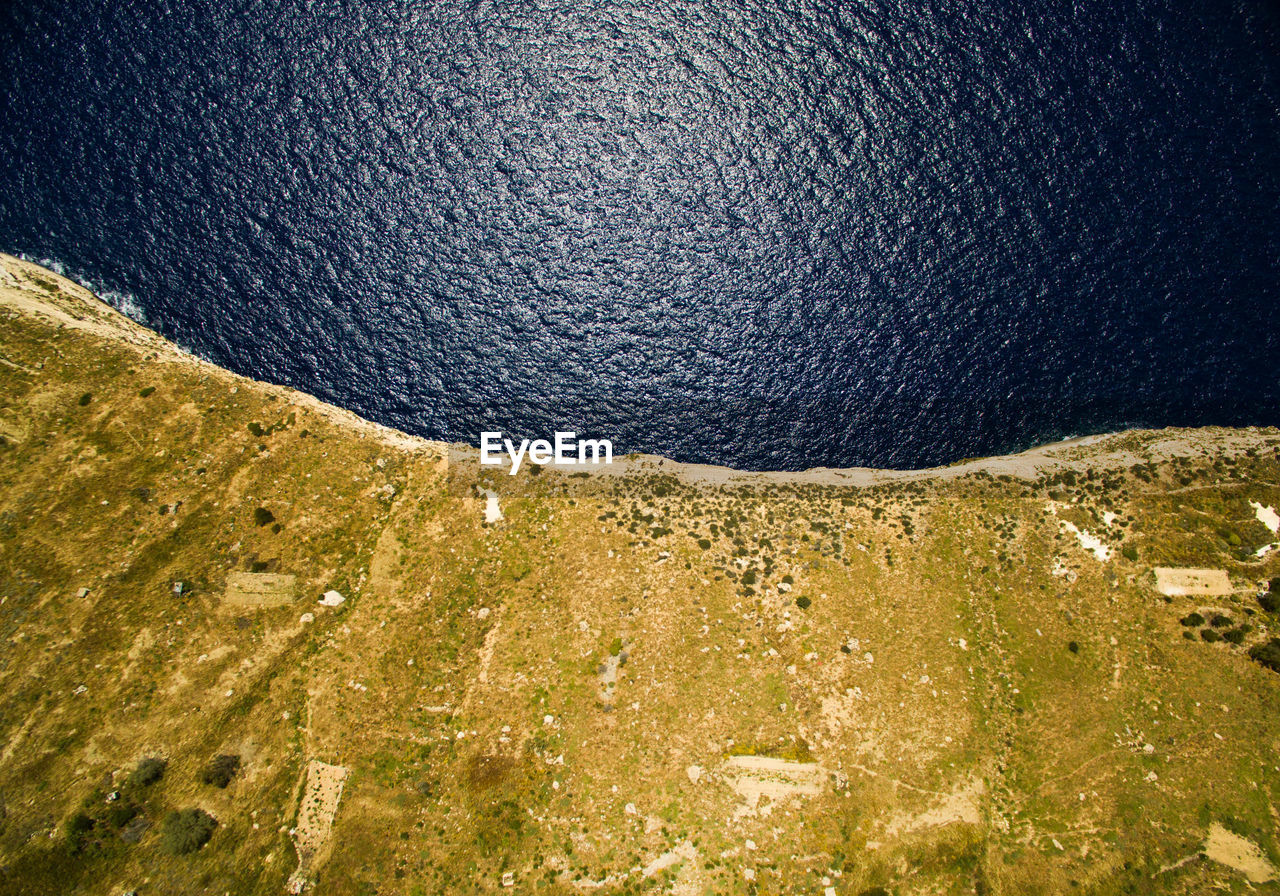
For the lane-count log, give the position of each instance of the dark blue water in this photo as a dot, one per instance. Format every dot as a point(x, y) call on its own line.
point(774, 236)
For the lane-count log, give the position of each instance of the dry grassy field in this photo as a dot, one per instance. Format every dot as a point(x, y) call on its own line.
point(655, 679)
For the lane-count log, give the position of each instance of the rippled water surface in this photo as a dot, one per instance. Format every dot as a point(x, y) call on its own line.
point(770, 235)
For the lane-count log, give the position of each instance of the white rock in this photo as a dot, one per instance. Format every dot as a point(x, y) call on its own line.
point(482, 613)
point(630, 808)
point(694, 772)
point(750, 845)
point(307, 617)
point(332, 599)
point(1267, 516)
point(749, 873)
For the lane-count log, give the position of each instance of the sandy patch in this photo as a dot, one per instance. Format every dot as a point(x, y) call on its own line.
point(492, 512)
point(320, 796)
point(778, 780)
point(685, 851)
point(963, 806)
point(1102, 552)
point(1239, 854)
point(1192, 582)
point(259, 589)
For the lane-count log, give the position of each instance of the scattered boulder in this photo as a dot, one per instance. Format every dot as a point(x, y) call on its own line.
point(332, 599)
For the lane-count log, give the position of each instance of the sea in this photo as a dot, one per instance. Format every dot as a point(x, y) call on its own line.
point(772, 235)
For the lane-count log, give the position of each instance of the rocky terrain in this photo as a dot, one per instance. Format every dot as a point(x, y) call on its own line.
point(251, 644)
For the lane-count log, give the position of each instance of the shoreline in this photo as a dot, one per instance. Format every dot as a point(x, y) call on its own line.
point(25, 287)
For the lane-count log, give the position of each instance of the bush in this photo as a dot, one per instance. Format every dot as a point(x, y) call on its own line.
point(1129, 552)
point(1220, 621)
point(147, 392)
point(85, 399)
point(1192, 620)
point(186, 831)
point(121, 813)
point(803, 602)
point(704, 543)
point(1074, 647)
point(1210, 635)
point(221, 770)
point(1270, 602)
point(1267, 655)
point(80, 823)
point(148, 772)
point(1236, 635)
point(262, 516)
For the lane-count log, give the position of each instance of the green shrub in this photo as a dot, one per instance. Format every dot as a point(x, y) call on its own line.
point(704, 543)
point(147, 392)
point(148, 772)
point(1073, 646)
point(1236, 635)
point(79, 828)
point(1267, 655)
point(803, 602)
point(1210, 635)
point(80, 823)
point(121, 813)
point(1129, 552)
point(262, 516)
point(85, 399)
point(1192, 620)
point(1220, 620)
point(1270, 602)
point(220, 770)
point(186, 831)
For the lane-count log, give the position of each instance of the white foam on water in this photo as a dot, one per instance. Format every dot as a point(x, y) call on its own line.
point(124, 302)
